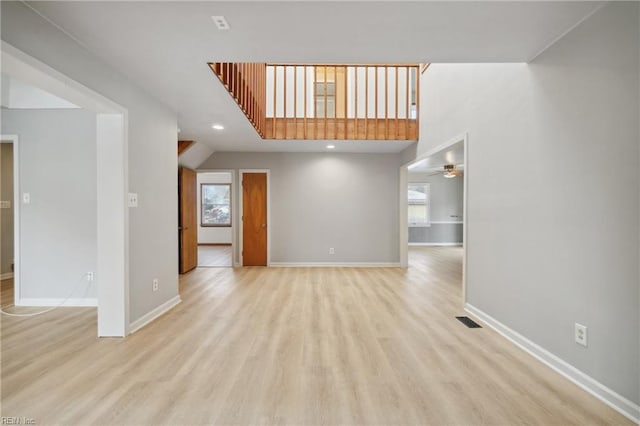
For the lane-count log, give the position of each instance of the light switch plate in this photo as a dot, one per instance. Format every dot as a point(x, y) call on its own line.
point(133, 199)
point(26, 198)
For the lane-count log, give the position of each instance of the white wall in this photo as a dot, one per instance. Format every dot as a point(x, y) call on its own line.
point(213, 234)
point(58, 239)
point(553, 201)
point(6, 213)
point(152, 154)
point(345, 201)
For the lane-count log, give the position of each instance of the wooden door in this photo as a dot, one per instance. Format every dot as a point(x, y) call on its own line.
point(188, 226)
point(254, 219)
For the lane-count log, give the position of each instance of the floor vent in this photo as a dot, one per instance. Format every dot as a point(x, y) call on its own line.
point(469, 322)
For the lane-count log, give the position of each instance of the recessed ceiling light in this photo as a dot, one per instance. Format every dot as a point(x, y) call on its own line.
point(331, 146)
point(217, 127)
point(221, 22)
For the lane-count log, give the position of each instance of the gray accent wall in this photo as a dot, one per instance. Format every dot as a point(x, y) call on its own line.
point(152, 156)
point(552, 227)
point(58, 228)
point(446, 205)
point(323, 200)
point(6, 214)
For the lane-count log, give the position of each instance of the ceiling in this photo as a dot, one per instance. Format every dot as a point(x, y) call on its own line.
point(164, 47)
point(435, 163)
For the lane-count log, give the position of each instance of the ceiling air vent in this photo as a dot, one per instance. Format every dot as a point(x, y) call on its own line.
point(221, 22)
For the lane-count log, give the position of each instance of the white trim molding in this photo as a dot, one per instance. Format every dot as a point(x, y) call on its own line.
point(447, 222)
point(614, 400)
point(6, 276)
point(86, 302)
point(154, 314)
point(336, 265)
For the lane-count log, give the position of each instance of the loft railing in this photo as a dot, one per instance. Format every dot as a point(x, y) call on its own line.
point(246, 82)
point(355, 102)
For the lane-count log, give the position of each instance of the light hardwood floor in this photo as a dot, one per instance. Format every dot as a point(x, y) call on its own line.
point(214, 256)
point(290, 346)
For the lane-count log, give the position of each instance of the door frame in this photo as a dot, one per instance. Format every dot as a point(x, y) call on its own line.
point(404, 226)
point(241, 172)
point(235, 258)
point(14, 140)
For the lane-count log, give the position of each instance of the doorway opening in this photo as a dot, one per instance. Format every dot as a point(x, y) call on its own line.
point(98, 267)
point(215, 218)
point(433, 209)
point(8, 217)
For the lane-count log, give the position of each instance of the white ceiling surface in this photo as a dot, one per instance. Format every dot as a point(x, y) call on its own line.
point(435, 163)
point(19, 95)
point(164, 47)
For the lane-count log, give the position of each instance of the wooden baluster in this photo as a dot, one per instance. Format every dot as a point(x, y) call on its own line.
point(407, 101)
point(345, 102)
point(376, 96)
point(295, 101)
point(305, 103)
point(250, 89)
point(315, 103)
point(355, 106)
point(396, 87)
point(284, 105)
point(325, 102)
point(275, 93)
point(386, 102)
point(241, 87)
point(417, 101)
point(335, 102)
point(366, 102)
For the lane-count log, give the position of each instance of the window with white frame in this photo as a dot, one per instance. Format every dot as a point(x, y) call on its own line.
point(216, 204)
point(418, 198)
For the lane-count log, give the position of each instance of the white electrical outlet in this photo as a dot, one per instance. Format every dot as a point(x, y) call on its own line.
point(155, 284)
point(133, 199)
point(26, 198)
point(581, 334)
point(332, 251)
point(90, 276)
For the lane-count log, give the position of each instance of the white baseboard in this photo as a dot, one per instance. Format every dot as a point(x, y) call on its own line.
point(619, 403)
point(436, 244)
point(153, 314)
point(6, 276)
point(58, 302)
point(335, 265)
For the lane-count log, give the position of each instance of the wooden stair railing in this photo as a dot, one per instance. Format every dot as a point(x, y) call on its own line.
point(246, 84)
point(326, 101)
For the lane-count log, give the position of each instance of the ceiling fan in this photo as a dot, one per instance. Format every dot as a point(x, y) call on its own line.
point(450, 171)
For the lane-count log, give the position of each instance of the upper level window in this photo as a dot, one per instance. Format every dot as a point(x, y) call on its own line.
point(216, 204)
point(329, 99)
point(419, 204)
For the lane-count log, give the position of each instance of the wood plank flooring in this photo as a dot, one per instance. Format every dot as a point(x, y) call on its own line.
point(297, 346)
point(214, 256)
